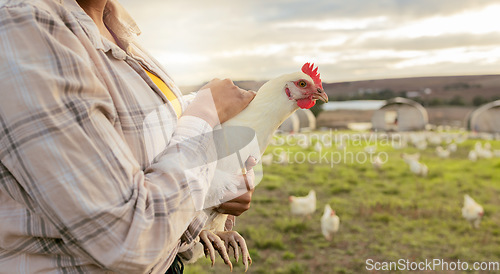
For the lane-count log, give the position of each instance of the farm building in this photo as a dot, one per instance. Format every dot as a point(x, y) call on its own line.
point(301, 120)
point(307, 120)
point(486, 118)
point(291, 124)
point(400, 114)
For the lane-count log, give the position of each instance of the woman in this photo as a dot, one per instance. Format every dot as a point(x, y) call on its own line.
point(91, 180)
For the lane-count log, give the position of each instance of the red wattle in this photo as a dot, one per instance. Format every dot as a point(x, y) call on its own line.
point(306, 103)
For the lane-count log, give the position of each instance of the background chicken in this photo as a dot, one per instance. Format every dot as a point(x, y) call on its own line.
point(442, 153)
point(472, 211)
point(410, 157)
point(303, 206)
point(330, 223)
point(370, 149)
point(483, 152)
point(418, 168)
point(415, 166)
point(377, 163)
point(275, 101)
point(452, 147)
point(318, 147)
point(472, 155)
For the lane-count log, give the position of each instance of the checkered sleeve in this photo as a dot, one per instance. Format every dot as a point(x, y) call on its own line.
point(59, 143)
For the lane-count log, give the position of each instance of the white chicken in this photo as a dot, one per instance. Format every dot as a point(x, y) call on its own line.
point(318, 147)
point(410, 157)
point(447, 139)
point(483, 151)
point(485, 154)
point(399, 144)
point(370, 149)
point(418, 168)
point(341, 146)
point(327, 143)
point(304, 143)
point(487, 146)
point(421, 145)
point(472, 156)
point(472, 211)
point(442, 153)
point(452, 147)
point(461, 138)
point(478, 146)
point(435, 139)
point(330, 223)
point(377, 163)
point(303, 206)
point(275, 101)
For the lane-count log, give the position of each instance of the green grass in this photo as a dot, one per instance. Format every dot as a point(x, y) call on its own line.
point(385, 215)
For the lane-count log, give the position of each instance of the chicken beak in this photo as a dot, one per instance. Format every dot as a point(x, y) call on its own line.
point(321, 95)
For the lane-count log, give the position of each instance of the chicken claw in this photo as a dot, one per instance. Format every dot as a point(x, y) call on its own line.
point(236, 241)
point(207, 238)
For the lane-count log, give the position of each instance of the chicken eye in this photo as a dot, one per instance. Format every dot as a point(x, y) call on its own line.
point(302, 84)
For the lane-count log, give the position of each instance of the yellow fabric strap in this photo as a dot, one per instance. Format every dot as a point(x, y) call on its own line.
point(167, 92)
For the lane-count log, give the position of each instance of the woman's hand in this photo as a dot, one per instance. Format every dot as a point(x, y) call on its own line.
point(241, 203)
point(237, 205)
point(219, 101)
point(228, 98)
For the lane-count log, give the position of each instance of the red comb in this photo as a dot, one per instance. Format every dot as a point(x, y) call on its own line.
point(307, 68)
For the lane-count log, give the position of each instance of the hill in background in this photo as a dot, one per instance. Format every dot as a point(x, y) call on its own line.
point(442, 90)
point(431, 91)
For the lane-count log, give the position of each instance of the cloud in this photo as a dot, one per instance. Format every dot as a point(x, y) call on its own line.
point(198, 40)
point(427, 42)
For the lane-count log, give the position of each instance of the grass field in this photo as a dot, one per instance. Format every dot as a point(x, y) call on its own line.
point(386, 215)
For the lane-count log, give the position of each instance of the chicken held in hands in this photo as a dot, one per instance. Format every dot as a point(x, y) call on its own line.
point(274, 102)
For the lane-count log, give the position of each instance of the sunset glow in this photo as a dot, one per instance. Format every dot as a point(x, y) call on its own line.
point(349, 40)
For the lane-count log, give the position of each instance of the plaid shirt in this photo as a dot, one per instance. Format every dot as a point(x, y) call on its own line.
point(96, 172)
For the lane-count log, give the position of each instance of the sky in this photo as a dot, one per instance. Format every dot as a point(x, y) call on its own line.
point(349, 40)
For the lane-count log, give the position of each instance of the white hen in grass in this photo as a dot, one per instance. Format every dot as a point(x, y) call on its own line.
point(418, 168)
point(472, 211)
point(303, 206)
point(442, 153)
point(330, 223)
point(377, 163)
point(410, 157)
point(452, 147)
point(318, 147)
point(483, 152)
point(472, 156)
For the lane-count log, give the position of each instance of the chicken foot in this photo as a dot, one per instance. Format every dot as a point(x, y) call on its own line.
point(207, 237)
point(223, 240)
point(236, 241)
